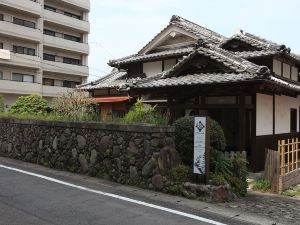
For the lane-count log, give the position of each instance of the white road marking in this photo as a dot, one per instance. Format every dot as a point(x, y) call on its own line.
point(191, 216)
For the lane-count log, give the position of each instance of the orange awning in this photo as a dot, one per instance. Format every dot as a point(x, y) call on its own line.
point(110, 99)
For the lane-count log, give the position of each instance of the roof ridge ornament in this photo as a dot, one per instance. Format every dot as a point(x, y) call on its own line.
point(201, 43)
point(175, 18)
point(264, 71)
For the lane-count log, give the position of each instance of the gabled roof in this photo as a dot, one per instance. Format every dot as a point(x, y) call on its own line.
point(111, 80)
point(209, 45)
point(228, 59)
point(151, 56)
point(255, 41)
point(190, 27)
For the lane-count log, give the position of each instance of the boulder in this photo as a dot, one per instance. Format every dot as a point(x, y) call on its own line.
point(55, 143)
point(132, 149)
point(83, 163)
point(81, 142)
point(93, 157)
point(149, 167)
point(157, 182)
point(105, 143)
point(168, 159)
point(133, 174)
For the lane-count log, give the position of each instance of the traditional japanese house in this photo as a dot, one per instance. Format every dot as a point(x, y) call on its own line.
point(248, 84)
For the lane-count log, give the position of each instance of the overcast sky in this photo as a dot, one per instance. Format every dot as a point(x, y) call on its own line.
point(122, 27)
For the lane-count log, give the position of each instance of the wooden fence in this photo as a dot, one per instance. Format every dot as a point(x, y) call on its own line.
point(282, 166)
point(288, 155)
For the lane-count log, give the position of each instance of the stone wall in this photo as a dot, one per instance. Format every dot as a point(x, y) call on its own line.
point(128, 154)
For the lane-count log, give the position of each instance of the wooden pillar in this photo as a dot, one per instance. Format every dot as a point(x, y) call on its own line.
point(242, 123)
point(171, 110)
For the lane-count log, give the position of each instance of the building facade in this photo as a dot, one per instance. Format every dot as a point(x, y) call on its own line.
point(248, 84)
point(43, 47)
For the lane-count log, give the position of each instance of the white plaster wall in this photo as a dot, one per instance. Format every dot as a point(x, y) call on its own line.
point(277, 67)
point(169, 63)
point(283, 105)
point(286, 70)
point(294, 73)
point(264, 114)
point(152, 68)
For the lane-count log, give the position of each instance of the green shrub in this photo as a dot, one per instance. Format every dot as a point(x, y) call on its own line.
point(181, 174)
point(1, 104)
point(217, 179)
point(143, 113)
point(238, 185)
point(221, 164)
point(30, 105)
point(261, 185)
point(184, 138)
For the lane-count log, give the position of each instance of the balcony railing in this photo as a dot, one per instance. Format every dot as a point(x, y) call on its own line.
point(15, 87)
point(31, 6)
point(14, 30)
point(65, 44)
point(63, 20)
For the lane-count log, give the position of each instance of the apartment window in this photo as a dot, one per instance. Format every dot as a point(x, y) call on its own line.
point(72, 38)
point(70, 84)
point(72, 15)
point(1, 75)
point(71, 61)
point(24, 23)
point(50, 8)
point(293, 120)
point(23, 50)
point(1, 17)
point(49, 57)
point(48, 82)
point(22, 77)
point(49, 32)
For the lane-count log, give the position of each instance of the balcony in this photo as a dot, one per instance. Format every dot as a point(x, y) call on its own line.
point(63, 68)
point(21, 60)
point(14, 30)
point(64, 44)
point(54, 91)
point(22, 88)
point(60, 19)
point(30, 6)
point(84, 4)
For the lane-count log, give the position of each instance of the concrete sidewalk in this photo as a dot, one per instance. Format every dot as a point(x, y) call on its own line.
point(238, 212)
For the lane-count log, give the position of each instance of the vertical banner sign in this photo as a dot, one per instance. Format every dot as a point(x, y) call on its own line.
point(199, 145)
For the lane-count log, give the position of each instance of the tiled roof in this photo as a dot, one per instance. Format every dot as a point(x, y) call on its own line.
point(112, 80)
point(151, 56)
point(228, 59)
point(255, 41)
point(199, 31)
point(254, 54)
point(195, 79)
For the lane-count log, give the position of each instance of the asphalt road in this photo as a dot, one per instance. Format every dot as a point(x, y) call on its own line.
point(30, 200)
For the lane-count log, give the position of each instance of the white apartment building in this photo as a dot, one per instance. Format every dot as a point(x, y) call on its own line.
point(43, 47)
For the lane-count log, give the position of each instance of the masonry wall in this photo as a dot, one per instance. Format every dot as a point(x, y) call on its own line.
point(122, 153)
